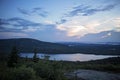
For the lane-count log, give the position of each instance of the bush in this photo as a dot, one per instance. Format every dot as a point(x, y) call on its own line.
point(42, 69)
point(23, 73)
point(19, 73)
point(49, 71)
point(6, 74)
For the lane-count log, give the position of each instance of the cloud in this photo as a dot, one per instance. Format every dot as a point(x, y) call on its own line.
point(18, 28)
point(17, 24)
point(80, 26)
point(107, 35)
point(12, 35)
point(3, 21)
point(83, 20)
point(117, 24)
point(104, 36)
point(87, 10)
point(16, 21)
point(40, 12)
point(62, 21)
point(35, 11)
point(23, 11)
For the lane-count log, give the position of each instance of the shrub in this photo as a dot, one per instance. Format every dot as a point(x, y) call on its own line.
point(49, 71)
point(24, 73)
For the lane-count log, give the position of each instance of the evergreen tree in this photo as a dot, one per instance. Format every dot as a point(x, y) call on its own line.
point(13, 58)
point(35, 58)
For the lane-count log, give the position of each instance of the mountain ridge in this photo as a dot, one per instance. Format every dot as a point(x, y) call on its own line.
point(27, 45)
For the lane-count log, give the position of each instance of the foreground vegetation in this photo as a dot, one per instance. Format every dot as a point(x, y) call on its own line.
point(13, 67)
point(27, 69)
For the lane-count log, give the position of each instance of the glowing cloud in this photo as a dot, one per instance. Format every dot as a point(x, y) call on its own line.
point(79, 27)
point(107, 35)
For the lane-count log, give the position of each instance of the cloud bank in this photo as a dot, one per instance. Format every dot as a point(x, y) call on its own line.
point(87, 10)
point(86, 19)
point(34, 11)
point(80, 26)
point(17, 24)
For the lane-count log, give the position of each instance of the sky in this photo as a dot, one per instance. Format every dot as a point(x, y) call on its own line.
point(61, 20)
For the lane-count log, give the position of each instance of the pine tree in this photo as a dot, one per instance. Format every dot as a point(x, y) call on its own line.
point(13, 58)
point(35, 58)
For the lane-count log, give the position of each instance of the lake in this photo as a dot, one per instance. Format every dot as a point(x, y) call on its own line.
point(69, 57)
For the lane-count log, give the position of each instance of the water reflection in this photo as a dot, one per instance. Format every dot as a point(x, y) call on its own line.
point(69, 57)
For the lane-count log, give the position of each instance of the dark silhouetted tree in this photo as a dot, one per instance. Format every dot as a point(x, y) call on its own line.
point(13, 58)
point(35, 57)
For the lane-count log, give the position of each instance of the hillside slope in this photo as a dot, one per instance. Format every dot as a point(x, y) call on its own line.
point(28, 45)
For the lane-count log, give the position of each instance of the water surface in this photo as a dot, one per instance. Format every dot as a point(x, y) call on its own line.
point(69, 57)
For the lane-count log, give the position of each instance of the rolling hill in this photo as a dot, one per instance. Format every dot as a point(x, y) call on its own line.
point(27, 45)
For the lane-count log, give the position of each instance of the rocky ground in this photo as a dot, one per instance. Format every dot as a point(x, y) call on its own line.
point(92, 75)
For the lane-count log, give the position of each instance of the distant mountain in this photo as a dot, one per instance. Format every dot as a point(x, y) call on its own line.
point(101, 48)
point(110, 43)
point(87, 43)
point(27, 45)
